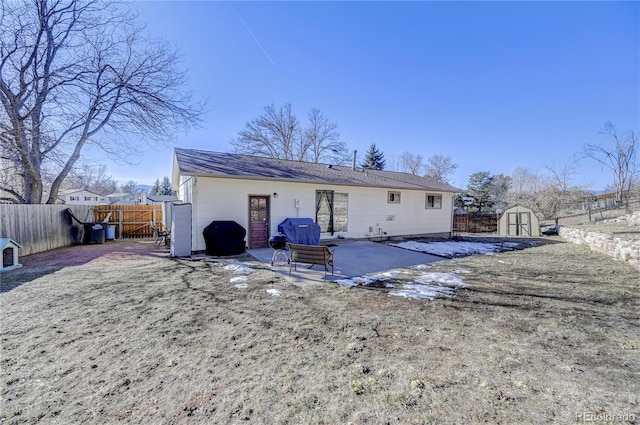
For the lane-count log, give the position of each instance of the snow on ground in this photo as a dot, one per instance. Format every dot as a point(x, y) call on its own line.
point(431, 285)
point(238, 268)
point(238, 279)
point(418, 291)
point(456, 249)
point(427, 285)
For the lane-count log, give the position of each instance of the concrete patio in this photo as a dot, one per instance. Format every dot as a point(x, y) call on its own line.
point(351, 258)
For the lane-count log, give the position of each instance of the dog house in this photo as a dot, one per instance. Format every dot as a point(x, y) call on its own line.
point(9, 249)
point(518, 221)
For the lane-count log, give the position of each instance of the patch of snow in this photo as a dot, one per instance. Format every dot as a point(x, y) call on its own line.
point(274, 292)
point(451, 279)
point(238, 268)
point(420, 291)
point(422, 267)
point(385, 275)
point(462, 271)
point(238, 279)
point(454, 249)
point(346, 282)
point(241, 286)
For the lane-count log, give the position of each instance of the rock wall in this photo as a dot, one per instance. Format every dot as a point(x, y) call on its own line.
point(629, 219)
point(619, 249)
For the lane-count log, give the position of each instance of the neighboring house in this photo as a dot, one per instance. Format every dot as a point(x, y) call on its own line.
point(159, 199)
point(81, 197)
point(259, 193)
point(122, 198)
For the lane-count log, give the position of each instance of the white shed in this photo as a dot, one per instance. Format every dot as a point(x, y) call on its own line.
point(518, 220)
point(259, 193)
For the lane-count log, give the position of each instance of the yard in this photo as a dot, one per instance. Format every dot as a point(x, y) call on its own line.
point(121, 333)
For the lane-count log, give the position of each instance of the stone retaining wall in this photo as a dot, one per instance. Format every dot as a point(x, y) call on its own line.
point(619, 249)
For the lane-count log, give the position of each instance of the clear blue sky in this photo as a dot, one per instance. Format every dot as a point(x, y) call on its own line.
point(494, 85)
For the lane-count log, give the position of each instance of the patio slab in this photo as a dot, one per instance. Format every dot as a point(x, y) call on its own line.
point(352, 258)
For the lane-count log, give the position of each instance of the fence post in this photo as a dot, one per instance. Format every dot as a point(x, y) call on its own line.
point(120, 223)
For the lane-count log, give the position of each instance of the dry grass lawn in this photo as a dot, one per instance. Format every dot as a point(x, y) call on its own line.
point(543, 335)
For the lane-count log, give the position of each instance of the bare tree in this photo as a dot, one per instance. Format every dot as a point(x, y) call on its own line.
point(277, 133)
point(273, 134)
point(562, 174)
point(78, 73)
point(498, 189)
point(131, 187)
point(544, 194)
point(91, 177)
point(412, 164)
point(321, 140)
point(440, 168)
point(620, 159)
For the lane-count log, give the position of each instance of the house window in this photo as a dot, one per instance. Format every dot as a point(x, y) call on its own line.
point(74, 198)
point(433, 201)
point(90, 198)
point(393, 197)
point(331, 211)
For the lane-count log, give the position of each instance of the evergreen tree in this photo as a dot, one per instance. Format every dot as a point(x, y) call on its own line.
point(374, 159)
point(478, 192)
point(165, 189)
point(156, 190)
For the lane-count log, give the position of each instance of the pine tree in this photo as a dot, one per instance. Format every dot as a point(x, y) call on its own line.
point(374, 159)
point(478, 191)
point(166, 186)
point(155, 190)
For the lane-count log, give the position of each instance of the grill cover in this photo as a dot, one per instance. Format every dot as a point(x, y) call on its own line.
point(223, 238)
point(300, 230)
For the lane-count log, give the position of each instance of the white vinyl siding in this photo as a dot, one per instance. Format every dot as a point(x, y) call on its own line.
point(366, 211)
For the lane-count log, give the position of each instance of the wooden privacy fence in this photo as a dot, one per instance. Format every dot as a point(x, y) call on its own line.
point(39, 228)
point(131, 221)
point(475, 223)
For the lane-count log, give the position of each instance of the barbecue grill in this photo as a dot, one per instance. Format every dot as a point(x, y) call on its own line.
point(278, 243)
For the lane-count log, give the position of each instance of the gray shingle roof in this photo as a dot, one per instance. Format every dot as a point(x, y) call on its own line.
point(202, 163)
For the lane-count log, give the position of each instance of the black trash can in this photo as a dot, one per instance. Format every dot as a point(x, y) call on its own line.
point(93, 233)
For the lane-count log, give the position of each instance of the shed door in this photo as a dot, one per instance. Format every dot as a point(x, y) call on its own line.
point(519, 224)
point(258, 222)
point(524, 227)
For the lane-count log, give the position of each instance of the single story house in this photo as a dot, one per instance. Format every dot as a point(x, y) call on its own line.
point(81, 197)
point(160, 199)
point(259, 193)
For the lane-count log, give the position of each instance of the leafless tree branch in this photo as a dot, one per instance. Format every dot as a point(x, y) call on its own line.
point(77, 73)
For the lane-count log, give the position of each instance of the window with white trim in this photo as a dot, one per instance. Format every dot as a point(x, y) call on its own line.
point(433, 201)
point(393, 197)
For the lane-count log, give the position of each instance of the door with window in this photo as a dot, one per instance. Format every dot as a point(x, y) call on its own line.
point(258, 222)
